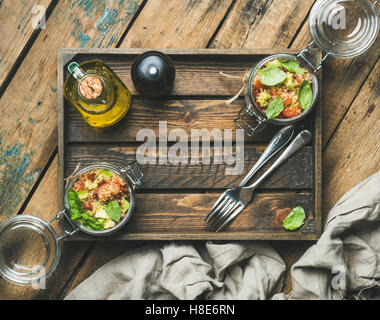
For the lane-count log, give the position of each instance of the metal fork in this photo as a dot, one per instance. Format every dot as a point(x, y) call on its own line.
point(280, 139)
point(234, 202)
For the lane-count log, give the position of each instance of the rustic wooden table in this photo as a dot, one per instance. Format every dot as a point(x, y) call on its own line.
point(28, 93)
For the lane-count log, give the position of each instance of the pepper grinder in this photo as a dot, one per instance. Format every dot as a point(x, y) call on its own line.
point(153, 73)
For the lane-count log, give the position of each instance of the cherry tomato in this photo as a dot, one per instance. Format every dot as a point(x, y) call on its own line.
point(80, 184)
point(292, 111)
point(109, 188)
point(287, 101)
point(258, 84)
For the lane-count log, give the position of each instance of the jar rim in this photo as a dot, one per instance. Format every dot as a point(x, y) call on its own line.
point(327, 16)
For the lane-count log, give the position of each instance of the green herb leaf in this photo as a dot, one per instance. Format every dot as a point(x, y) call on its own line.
point(74, 202)
point(292, 66)
point(295, 219)
point(305, 95)
point(77, 211)
point(271, 76)
point(113, 210)
point(275, 108)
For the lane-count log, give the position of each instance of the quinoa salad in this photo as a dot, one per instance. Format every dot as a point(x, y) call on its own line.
point(99, 199)
point(282, 89)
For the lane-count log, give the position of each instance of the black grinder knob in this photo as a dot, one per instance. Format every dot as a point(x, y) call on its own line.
point(153, 73)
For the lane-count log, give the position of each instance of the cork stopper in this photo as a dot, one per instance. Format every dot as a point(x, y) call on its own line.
point(91, 87)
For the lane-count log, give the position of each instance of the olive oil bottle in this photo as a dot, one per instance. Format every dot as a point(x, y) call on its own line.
point(97, 92)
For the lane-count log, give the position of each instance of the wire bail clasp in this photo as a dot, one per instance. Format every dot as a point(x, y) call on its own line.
point(306, 55)
point(134, 173)
point(67, 233)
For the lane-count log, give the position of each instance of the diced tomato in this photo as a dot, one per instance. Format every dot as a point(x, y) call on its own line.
point(108, 189)
point(281, 115)
point(292, 111)
point(255, 93)
point(80, 184)
point(88, 206)
point(287, 101)
point(91, 176)
point(258, 84)
point(274, 93)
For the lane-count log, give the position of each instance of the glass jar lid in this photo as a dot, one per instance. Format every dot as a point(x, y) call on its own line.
point(344, 28)
point(29, 250)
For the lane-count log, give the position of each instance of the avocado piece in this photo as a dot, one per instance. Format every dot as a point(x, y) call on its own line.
point(290, 81)
point(124, 205)
point(274, 62)
point(106, 173)
point(101, 213)
point(264, 98)
point(82, 194)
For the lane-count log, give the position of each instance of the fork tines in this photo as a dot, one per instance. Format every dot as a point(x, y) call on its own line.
point(223, 212)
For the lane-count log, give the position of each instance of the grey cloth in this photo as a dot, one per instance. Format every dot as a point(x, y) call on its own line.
point(345, 262)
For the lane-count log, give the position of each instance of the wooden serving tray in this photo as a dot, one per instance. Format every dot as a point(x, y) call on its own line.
point(174, 199)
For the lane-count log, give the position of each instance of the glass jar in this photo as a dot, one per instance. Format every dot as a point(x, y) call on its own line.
point(23, 235)
point(97, 93)
point(340, 28)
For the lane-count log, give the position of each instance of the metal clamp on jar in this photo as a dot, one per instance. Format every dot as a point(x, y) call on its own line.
point(22, 235)
point(339, 28)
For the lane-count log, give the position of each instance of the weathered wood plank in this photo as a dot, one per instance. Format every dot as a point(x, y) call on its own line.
point(160, 214)
point(353, 153)
point(29, 138)
point(172, 23)
point(195, 75)
point(295, 173)
point(184, 114)
point(18, 19)
point(262, 24)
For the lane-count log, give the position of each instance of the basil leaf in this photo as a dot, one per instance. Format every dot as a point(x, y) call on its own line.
point(271, 76)
point(74, 202)
point(292, 66)
point(295, 219)
point(275, 108)
point(305, 95)
point(113, 210)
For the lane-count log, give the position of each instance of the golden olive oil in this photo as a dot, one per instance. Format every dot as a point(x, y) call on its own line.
point(97, 93)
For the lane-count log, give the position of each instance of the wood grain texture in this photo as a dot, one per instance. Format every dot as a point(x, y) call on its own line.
point(180, 217)
point(18, 19)
point(176, 24)
point(29, 138)
point(184, 114)
point(295, 173)
point(262, 24)
point(353, 153)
